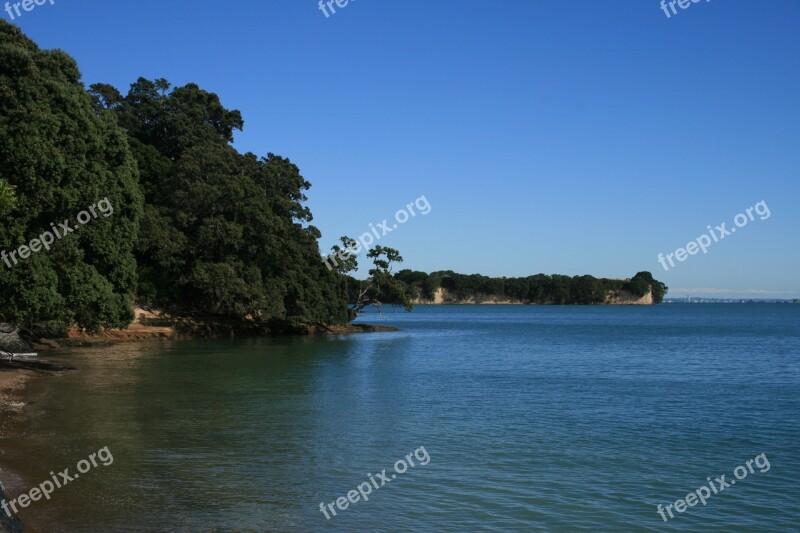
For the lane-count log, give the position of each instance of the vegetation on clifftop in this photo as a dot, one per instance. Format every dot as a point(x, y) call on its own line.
point(539, 289)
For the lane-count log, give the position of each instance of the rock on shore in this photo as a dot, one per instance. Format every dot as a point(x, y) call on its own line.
point(8, 524)
point(10, 340)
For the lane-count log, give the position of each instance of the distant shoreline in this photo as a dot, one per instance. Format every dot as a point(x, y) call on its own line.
point(614, 297)
point(698, 300)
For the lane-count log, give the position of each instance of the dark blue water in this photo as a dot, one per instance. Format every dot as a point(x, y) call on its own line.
point(533, 419)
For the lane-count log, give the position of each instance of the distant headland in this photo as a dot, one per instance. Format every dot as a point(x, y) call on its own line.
point(448, 287)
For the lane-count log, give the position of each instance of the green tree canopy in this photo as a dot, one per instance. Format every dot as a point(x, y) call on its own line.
point(223, 233)
point(62, 157)
point(381, 287)
point(8, 199)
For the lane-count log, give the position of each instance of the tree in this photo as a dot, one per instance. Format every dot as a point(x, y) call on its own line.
point(8, 200)
point(587, 290)
point(381, 287)
point(61, 156)
point(559, 289)
point(223, 233)
point(643, 282)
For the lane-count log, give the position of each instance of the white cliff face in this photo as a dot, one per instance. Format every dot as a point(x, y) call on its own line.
point(627, 298)
point(442, 297)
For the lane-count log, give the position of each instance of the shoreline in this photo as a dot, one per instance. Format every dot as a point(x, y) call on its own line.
point(12, 386)
point(157, 325)
point(148, 326)
point(443, 297)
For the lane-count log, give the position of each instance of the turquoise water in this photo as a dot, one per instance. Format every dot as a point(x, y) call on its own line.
point(534, 419)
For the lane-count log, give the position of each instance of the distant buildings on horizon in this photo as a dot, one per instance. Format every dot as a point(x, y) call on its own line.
point(700, 300)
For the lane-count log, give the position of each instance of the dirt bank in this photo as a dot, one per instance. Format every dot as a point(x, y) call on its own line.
point(150, 325)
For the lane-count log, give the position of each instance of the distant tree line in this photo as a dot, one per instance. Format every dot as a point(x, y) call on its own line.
point(538, 289)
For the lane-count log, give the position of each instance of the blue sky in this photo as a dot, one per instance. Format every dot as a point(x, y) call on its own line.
point(567, 137)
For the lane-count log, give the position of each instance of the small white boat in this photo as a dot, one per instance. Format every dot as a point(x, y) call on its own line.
point(11, 355)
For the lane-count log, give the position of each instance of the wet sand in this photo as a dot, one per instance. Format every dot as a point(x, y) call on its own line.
point(12, 385)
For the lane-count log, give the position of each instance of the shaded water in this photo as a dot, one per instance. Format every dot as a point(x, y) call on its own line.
point(534, 418)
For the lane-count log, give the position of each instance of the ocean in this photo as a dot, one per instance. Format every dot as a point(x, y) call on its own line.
point(470, 418)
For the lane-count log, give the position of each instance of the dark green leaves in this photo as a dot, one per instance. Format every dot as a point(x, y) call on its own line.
point(61, 157)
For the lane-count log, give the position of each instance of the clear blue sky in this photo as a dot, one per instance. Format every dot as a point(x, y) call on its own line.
point(566, 137)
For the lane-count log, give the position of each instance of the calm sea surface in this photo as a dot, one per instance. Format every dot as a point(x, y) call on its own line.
point(534, 419)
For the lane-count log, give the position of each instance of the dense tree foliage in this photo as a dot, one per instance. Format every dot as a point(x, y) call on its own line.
point(8, 199)
point(541, 289)
point(642, 282)
point(197, 227)
point(223, 233)
point(58, 157)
